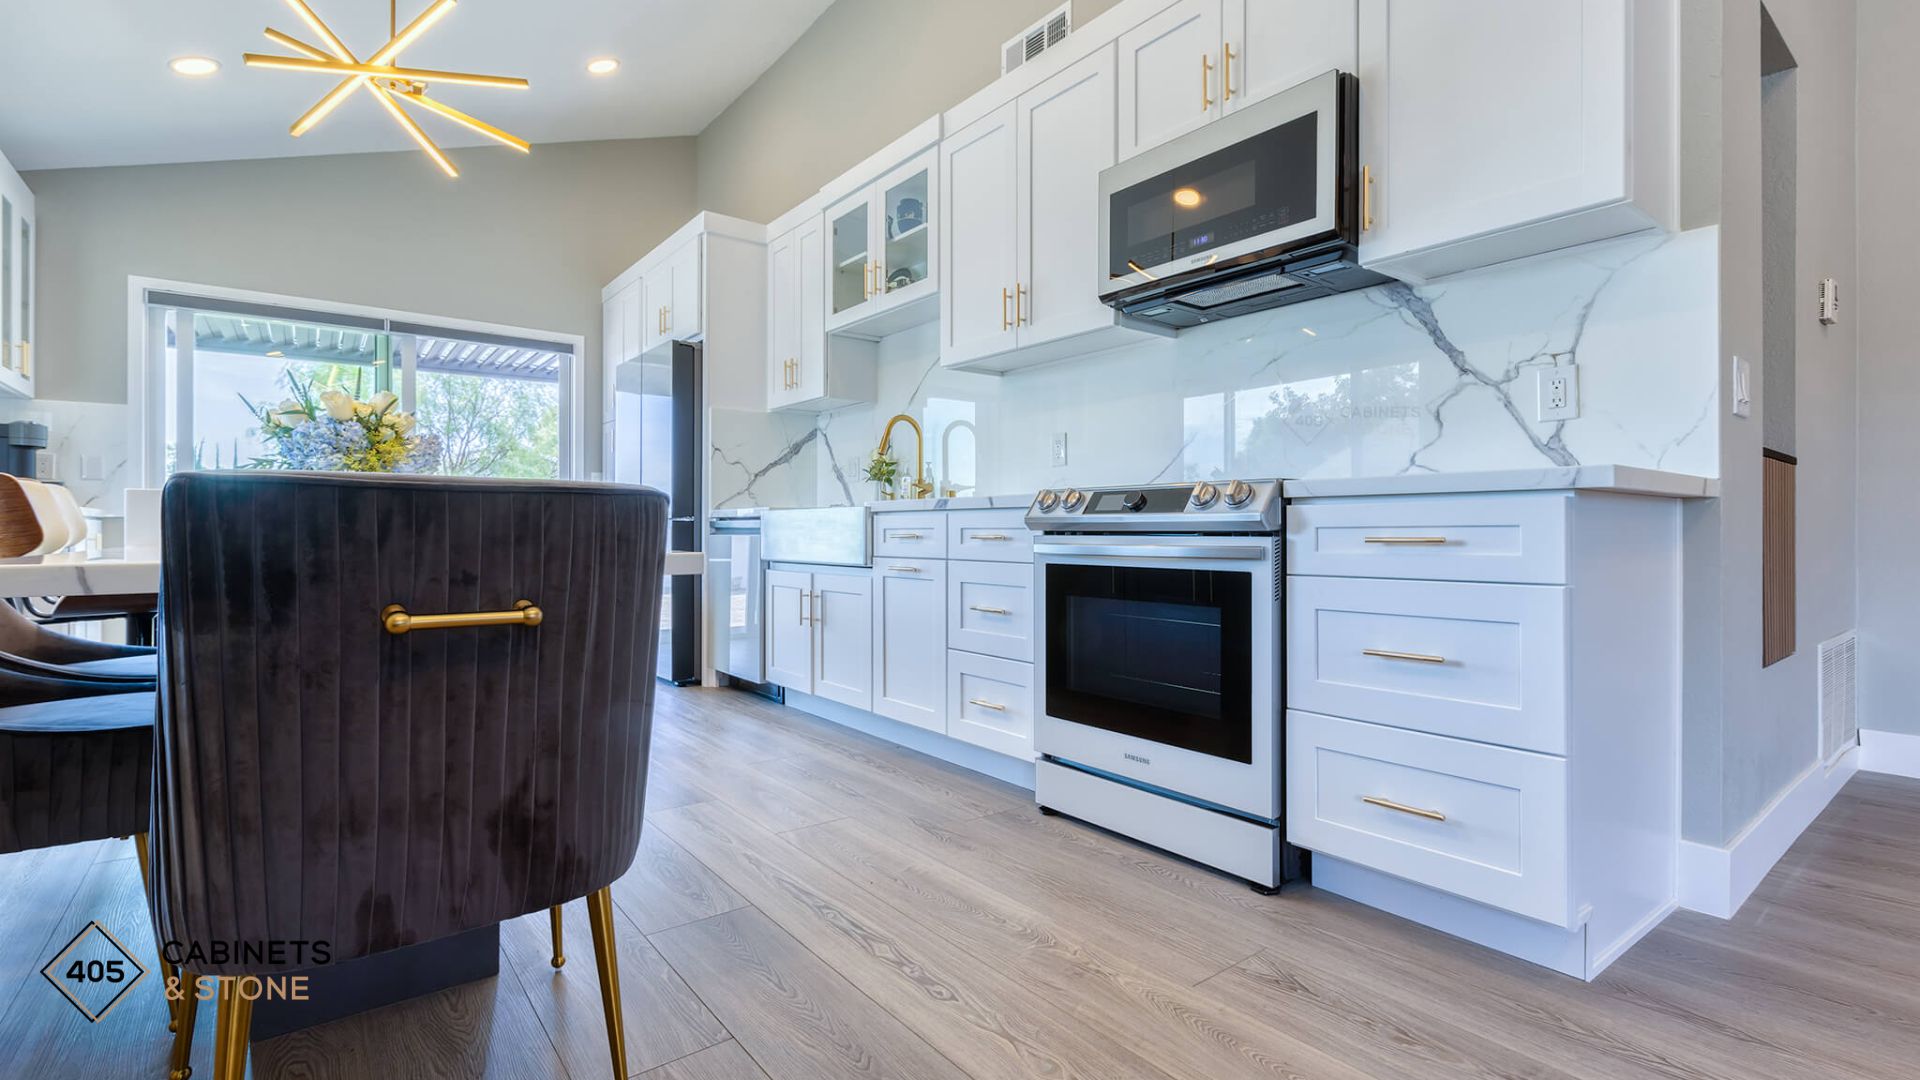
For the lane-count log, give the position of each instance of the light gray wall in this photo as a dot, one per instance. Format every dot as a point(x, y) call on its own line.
point(522, 240)
point(1750, 732)
point(1882, 303)
point(864, 73)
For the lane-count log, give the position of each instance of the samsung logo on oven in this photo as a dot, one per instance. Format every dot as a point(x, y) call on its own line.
point(1136, 757)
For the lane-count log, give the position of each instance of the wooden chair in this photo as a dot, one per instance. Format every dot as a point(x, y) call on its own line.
point(20, 530)
point(292, 646)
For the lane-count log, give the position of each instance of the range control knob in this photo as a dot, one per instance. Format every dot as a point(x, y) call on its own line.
point(1073, 499)
point(1204, 495)
point(1135, 501)
point(1238, 492)
point(1047, 500)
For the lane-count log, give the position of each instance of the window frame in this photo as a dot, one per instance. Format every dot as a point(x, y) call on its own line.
point(147, 364)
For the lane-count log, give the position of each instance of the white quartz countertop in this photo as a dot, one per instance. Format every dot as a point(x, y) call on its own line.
point(1625, 479)
point(958, 502)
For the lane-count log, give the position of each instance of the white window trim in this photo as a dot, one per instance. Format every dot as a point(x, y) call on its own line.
point(146, 368)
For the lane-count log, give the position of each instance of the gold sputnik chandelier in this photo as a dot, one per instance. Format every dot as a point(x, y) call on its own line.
point(380, 76)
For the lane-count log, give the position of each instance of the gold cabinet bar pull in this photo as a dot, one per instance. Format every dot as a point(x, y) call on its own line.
point(1418, 658)
point(989, 610)
point(991, 536)
point(398, 620)
point(1415, 540)
point(1366, 198)
point(985, 704)
point(1019, 305)
point(907, 536)
point(1005, 323)
point(1226, 72)
point(1206, 81)
point(1389, 804)
point(904, 569)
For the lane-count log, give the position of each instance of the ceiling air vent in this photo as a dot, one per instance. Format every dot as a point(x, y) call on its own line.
point(1839, 722)
point(1037, 38)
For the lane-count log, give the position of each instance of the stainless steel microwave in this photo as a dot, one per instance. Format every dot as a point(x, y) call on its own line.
point(1254, 210)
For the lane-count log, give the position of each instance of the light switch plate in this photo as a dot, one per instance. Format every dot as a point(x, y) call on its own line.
point(1742, 387)
point(1057, 453)
point(1558, 392)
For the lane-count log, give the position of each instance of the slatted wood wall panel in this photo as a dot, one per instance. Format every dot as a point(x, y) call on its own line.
point(1776, 560)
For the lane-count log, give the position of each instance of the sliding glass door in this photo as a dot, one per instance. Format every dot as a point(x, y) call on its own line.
point(500, 405)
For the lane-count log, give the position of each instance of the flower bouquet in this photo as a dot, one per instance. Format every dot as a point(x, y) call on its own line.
point(334, 432)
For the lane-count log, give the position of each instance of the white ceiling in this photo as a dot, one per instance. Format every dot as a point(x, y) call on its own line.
point(86, 82)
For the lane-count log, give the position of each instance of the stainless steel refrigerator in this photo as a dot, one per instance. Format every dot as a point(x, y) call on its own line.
point(656, 436)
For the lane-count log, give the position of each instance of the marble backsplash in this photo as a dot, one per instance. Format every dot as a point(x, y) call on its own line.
point(79, 430)
point(1396, 379)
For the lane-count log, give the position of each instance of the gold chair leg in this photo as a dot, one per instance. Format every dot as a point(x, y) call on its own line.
point(230, 1030)
point(168, 973)
point(559, 954)
point(187, 1010)
point(600, 915)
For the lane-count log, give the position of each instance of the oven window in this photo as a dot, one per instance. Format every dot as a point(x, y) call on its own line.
point(1258, 185)
point(1163, 655)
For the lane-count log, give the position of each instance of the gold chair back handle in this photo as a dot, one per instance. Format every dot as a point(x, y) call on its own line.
point(398, 620)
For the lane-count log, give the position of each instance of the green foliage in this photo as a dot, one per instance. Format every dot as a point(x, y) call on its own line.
point(491, 427)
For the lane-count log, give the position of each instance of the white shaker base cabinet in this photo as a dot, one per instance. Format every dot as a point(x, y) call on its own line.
point(1483, 713)
point(820, 634)
point(909, 640)
point(941, 643)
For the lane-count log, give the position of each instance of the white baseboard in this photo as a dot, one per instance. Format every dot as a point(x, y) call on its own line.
point(931, 743)
point(1717, 880)
point(1890, 752)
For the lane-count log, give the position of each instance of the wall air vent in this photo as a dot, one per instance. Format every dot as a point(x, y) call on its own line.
point(1037, 38)
point(1839, 722)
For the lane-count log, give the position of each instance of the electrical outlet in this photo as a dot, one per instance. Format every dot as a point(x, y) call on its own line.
point(46, 467)
point(1559, 393)
point(1058, 452)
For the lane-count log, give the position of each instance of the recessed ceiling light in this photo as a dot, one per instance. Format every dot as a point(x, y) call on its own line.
point(194, 66)
point(606, 65)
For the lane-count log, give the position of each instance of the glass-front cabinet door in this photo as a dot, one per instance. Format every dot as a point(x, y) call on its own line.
point(882, 251)
point(906, 234)
point(850, 266)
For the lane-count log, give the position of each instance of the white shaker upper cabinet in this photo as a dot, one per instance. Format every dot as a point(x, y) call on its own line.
point(806, 371)
point(1496, 129)
point(783, 318)
point(1065, 139)
point(1170, 75)
point(1273, 45)
point(976, 300)
point(18, 242)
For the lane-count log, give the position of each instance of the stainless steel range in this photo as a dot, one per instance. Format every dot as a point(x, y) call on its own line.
point(1159, 668)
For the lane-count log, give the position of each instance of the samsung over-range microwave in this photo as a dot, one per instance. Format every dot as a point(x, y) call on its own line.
point(1257, 209)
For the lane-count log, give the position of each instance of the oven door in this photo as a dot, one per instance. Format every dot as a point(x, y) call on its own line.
point(1265, 178)
point(1159, 662)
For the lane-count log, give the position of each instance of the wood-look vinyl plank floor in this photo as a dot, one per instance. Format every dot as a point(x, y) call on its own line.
point(664, 1019)
point(790, 1010)
point(811, 901)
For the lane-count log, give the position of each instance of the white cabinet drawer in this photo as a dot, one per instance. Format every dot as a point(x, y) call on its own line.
point(998, 535)
point(918, 536)
point(1467, 659)
point(990, 608)
point(1521, 537)
point(990, 702)
point(1483, 822)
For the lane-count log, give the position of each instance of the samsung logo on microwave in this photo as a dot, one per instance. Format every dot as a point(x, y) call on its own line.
point(1136, 757)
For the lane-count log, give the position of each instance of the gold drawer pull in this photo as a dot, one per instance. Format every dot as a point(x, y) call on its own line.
point(904, 569)
point(906, 536)
point(1389, 804)
point(986, 704)
point(1418, 658)
point(989, 610)
point(991, 536)
point(398, 620)
point(1427, 540)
